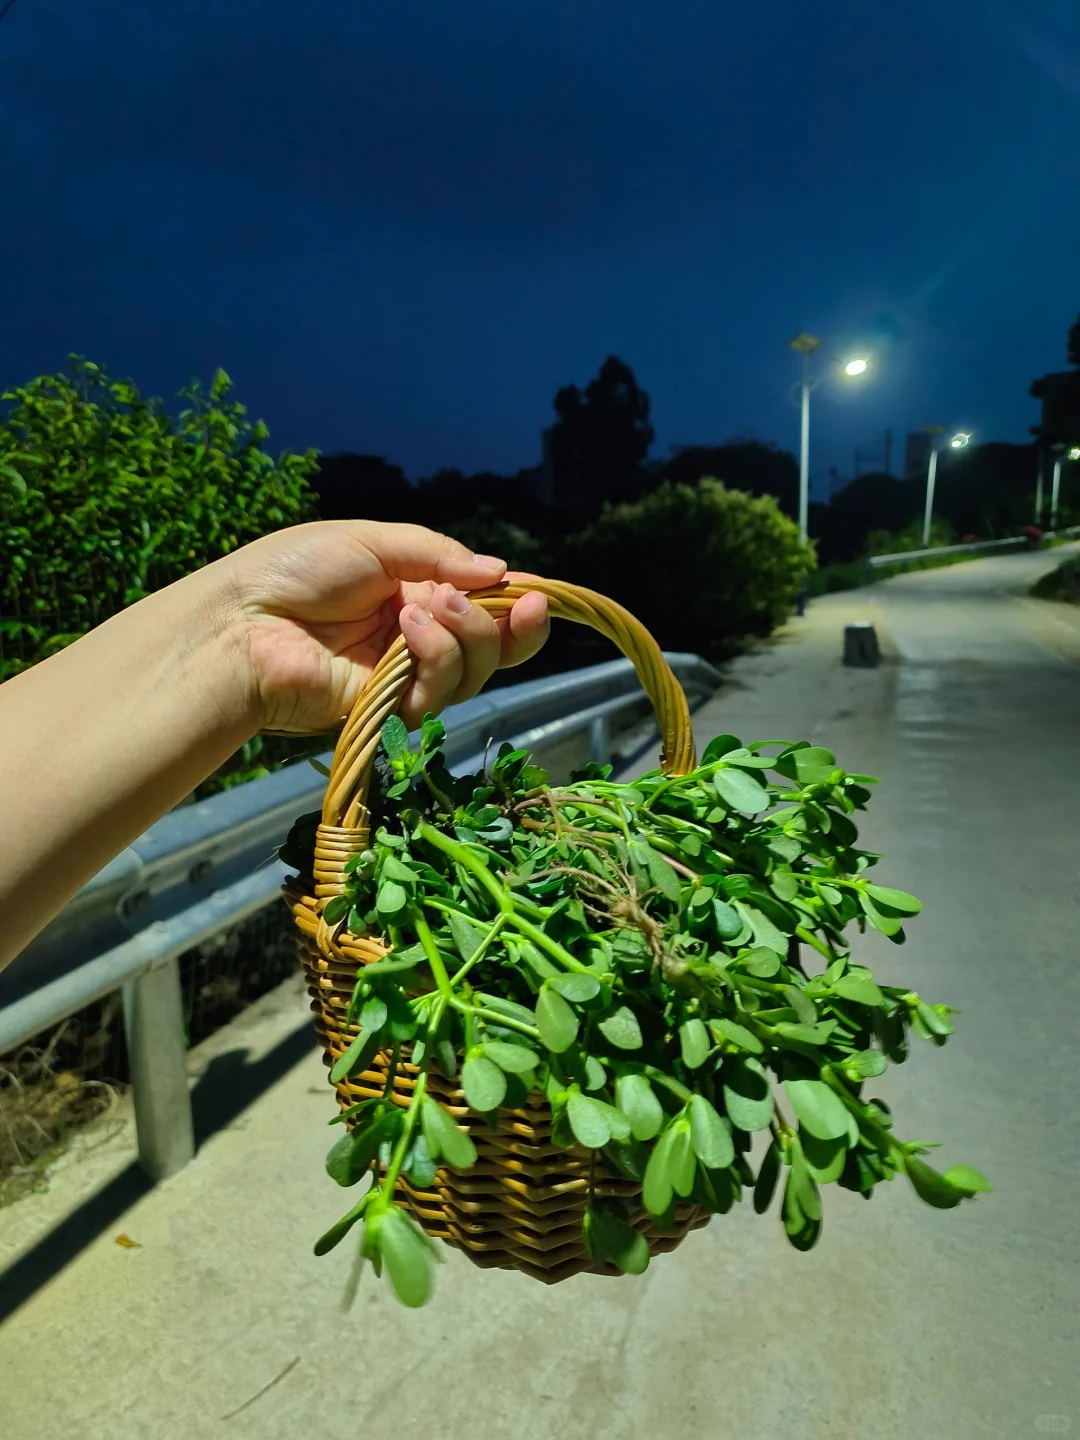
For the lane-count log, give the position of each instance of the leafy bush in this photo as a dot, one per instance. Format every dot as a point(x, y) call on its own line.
point(104, 498)
point(700, 565)
point(1062, 583)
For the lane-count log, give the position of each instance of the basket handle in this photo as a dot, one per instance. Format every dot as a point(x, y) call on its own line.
point(344, 807)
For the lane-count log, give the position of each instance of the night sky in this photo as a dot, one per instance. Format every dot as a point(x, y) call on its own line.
point(402, 227)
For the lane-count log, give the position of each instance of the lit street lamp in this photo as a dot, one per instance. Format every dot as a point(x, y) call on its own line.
point(805, 345)
point(1055, 484)
point(959, 441)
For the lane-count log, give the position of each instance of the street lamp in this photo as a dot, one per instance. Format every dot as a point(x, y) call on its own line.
point(1055, 484)
point(805, 345)
point(959, 441)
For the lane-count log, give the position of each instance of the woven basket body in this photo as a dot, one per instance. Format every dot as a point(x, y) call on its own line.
point(521, 1205)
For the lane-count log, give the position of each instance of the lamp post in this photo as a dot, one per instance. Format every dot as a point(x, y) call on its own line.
point(805, 345)
point(958, 442)
point(1055, 484)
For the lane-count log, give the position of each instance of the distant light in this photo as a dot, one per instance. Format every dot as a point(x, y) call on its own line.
point(855, 367)
point(1074, 453)
point(959, 441)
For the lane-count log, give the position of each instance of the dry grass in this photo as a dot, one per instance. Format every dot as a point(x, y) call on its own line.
point(44, 1097)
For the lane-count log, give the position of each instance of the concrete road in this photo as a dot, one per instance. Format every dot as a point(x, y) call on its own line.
point(905, 1321)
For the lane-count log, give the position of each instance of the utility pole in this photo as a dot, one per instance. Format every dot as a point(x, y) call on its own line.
point(888, 452)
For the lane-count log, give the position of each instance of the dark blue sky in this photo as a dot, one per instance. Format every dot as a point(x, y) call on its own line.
point(401, 227)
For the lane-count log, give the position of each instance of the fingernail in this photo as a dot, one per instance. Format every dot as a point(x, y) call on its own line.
point(457, 604)
point(420, 616)
point(490, 562)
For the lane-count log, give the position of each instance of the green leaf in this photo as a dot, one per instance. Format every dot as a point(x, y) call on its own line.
point(932, 1186)
point(341, 1228)
point(719, 747)
point(765, 932)
point(611, 1240)
point(895, 899)
point(357, 1057)
point(867, 1063)
point(395, 869)
point(335, 909)
point(398, 960)
point(395, 737)
point(637, 1100)
point(709, 1135)
point(860, 988)
point(407, 1257)
point(663, 876)
point(510, 1008)
point(445, 1137)
point(806, 1034)
point(373, 1013)
point(621, 1029)
point(537, 962)
point(724, 1029)
point(820, 1110)
point(657, 1189)
point(575, 986)
point(934, 1021)
point(880, 919)
point(557, 1023)
point(784, 885)
point(728, 921)
point(391, 899)
point(467, 938)
point(695, 1043)
point(748, 1097)
point(812, 765)
point(741, 791)
point(681, 1160)
point(421, 1166)
point(588, 1120)
point(801, 1003)
point(514, 1059)
point(967, 1179)
point(18, 484)
point(824, 1158)
point(762, 961)
point(483, 1082)
point(765, 1185)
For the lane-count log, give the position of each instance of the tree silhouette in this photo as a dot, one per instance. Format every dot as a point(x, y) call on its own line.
point(1074, 343)
point(600, 440)
point(750, 465)
point(362, 487)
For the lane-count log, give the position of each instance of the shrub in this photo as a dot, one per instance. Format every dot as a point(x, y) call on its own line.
point(104, 498)
point(701, 565)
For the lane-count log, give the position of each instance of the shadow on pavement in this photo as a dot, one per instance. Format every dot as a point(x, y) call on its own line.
point(226, 1088)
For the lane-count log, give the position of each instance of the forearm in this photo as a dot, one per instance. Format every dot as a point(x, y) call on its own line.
point(100, 740)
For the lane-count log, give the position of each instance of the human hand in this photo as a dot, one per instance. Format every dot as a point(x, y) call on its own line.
point(315, 607)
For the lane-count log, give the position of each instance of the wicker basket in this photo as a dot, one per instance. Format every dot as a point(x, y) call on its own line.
point(520, 1207)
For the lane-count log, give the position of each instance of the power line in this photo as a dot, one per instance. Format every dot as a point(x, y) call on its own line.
point(6, 8)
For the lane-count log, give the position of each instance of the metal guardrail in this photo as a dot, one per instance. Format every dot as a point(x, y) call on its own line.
point(206, 867)
point(935, 552)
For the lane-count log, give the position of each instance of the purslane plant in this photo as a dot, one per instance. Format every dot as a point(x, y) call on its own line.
point(666, 961)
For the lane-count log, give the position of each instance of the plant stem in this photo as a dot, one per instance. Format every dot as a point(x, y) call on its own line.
point(504, 898)
point(435, 960)
point(493, 1015)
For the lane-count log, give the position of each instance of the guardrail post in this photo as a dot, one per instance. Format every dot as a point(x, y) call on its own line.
point(600, 739)
point(154, 1025)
